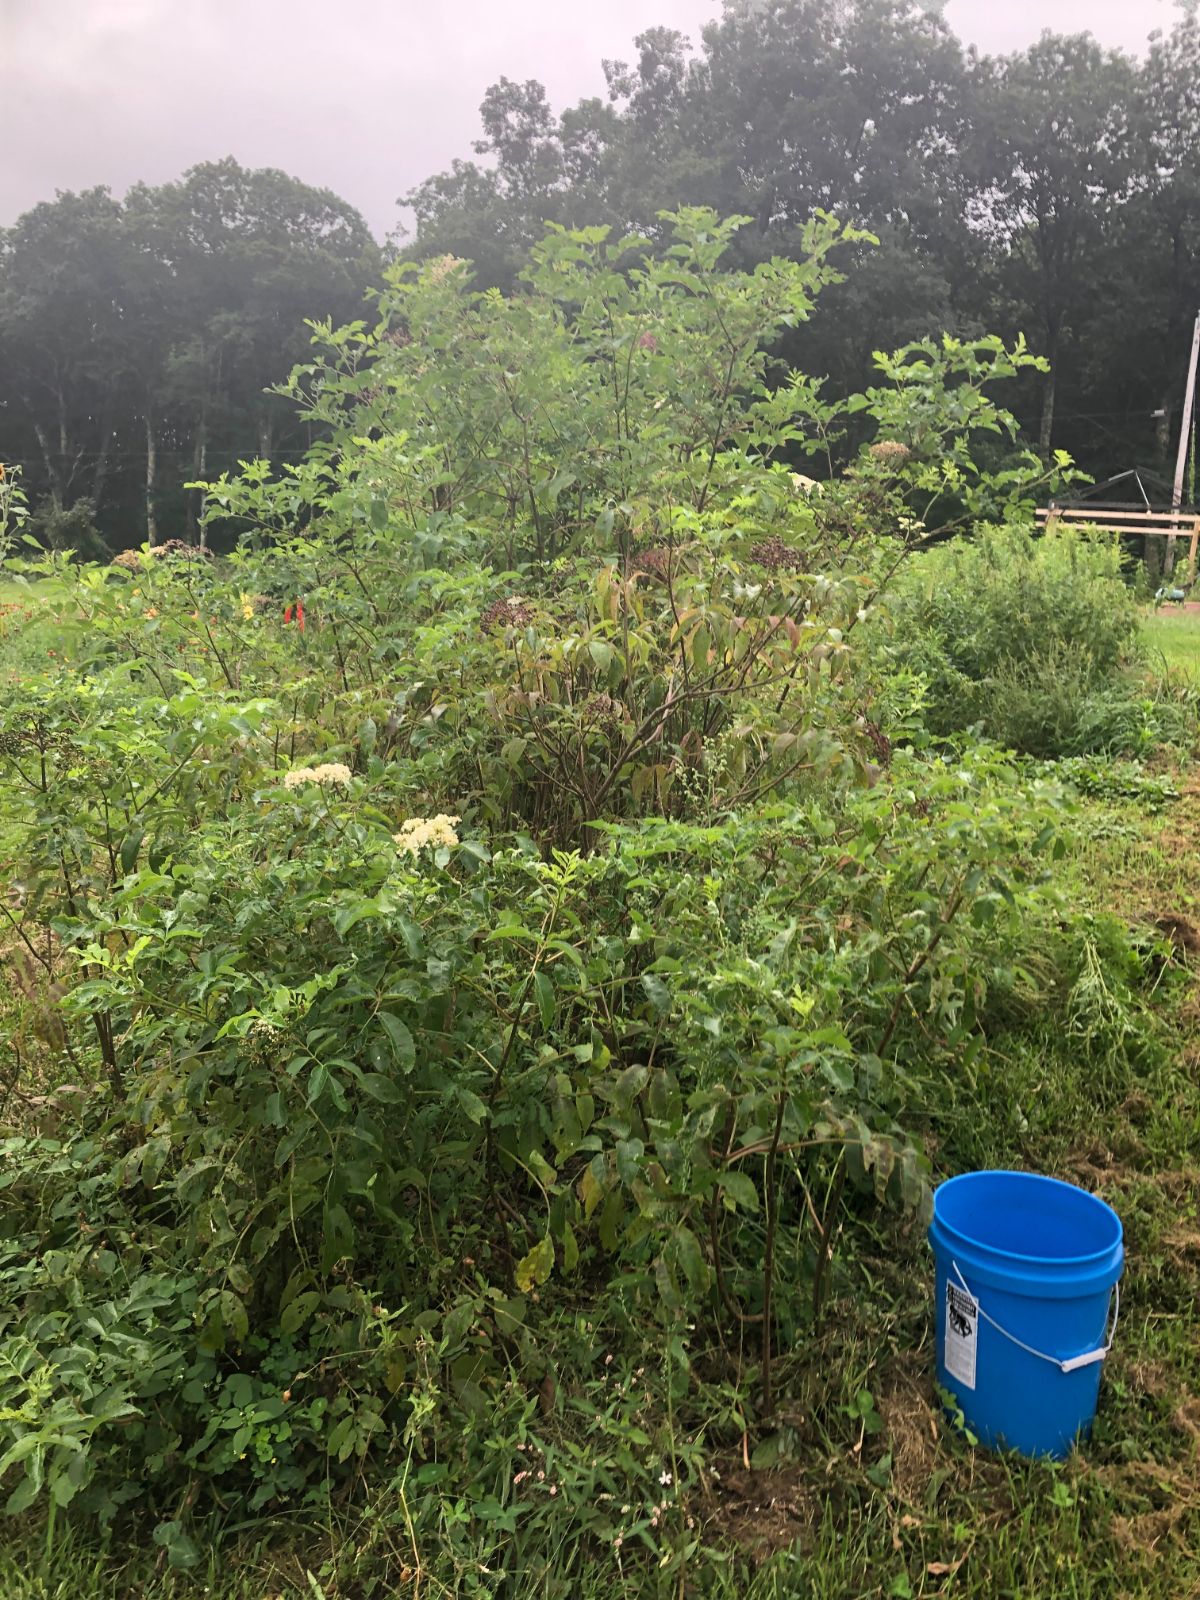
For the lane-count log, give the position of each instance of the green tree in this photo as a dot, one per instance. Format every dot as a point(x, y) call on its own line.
point(1158, 243)
point(68, 314)
point(1052, 158)
point(493, 214)
point(790, 107)
point(138, 338)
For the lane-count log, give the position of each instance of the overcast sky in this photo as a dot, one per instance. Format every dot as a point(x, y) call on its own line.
point(366, 99)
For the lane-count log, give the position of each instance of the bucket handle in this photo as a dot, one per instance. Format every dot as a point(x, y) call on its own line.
point(1073, 1363)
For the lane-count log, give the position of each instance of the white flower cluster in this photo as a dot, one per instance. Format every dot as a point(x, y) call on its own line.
point(417, 832)
point(330, 772)
point(443, 267)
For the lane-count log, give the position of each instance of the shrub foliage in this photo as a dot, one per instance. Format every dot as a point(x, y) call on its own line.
point(501, 920)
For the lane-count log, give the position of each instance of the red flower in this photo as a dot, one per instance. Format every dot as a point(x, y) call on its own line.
point(298, 612)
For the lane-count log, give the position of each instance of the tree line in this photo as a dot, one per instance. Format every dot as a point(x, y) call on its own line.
point(139, 340)
point(1053, 192)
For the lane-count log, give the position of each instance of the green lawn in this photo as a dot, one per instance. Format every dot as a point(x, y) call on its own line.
point(1173, 636)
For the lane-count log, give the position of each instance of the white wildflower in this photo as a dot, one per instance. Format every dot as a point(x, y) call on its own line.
point(664, 1478)
point(443, 268)
point(417, 832)
point(329, 773)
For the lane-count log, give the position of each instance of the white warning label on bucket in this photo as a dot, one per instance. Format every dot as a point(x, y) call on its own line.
point(962, 1334)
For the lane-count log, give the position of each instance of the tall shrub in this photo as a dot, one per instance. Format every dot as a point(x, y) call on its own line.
point(1013, 630)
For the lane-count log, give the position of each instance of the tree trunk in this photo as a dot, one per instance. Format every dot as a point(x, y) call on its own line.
point(1154, 558)
point(1046, 430)
point(151, 473)
point(1155, 542)
point(53, 477)
point(62, 448)
point(1162, 430)
point(101, 472)
point(199, 469)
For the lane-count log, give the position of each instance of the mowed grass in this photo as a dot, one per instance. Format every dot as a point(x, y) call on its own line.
point(1173, 637)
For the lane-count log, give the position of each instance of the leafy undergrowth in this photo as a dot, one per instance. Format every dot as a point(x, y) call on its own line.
point(860, 1487)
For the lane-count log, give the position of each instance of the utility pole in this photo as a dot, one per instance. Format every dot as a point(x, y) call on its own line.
point(1185, 434)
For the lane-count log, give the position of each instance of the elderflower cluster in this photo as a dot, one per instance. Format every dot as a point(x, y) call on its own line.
point(263, 1042)
point(330, 772)
point(443, 267)
point(417, 832)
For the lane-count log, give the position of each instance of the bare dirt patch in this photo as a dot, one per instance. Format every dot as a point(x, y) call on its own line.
point(912, 1426)
point(1180, 930)
point(764, 1512)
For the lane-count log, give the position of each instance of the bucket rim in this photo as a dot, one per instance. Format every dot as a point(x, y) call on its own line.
point(1091, 1259)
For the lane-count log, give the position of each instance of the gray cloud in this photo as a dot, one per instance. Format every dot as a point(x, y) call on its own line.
point(366, 100)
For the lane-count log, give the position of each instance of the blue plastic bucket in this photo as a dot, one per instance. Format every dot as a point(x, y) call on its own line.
point(1027, 1274)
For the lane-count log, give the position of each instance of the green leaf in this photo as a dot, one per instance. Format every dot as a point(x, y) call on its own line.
point(611, 1217)
point(22, 1496)
point(739, 1187)
point(402, 1042)
point(339, 1236)
point(630, 1084)
point(471, 1104)
point(629, 1154)
point(767, 1452)
point(691, 1259)
point(181, 1552)
point(347, 916)
point(381, 1088)
point(591, 1191)
point(665, 1282)
point(130, 846)
point(544, 990)
point(664, 1097)
point(299, 1311)
point(656, 992)
point(570, 1249)
point(234, 1316)
point(534, 1268)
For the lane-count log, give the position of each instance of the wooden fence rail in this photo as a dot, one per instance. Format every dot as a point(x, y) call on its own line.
point(1174, 524)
